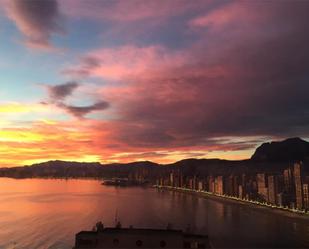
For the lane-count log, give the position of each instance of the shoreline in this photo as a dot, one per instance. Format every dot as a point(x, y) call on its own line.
point(234, 200)
point(290, 213)
point(53, 178)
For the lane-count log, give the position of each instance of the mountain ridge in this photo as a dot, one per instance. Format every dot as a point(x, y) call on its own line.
point(267, 157)
point(257, 155)
point(288, 150)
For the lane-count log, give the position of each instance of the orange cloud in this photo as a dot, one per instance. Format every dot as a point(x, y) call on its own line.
point(45, 141)
point(86, 141)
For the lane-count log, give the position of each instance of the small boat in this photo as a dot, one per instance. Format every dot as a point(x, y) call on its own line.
point(118, 237)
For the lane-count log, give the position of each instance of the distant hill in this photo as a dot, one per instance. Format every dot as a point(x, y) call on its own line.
point(75, 169)
point(289, 150)
point(269, 157)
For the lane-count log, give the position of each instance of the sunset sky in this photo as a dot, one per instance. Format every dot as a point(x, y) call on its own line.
point(120, 81)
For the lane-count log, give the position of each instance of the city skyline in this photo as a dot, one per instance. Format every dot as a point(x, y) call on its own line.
point(122, 81)
point(287, 189)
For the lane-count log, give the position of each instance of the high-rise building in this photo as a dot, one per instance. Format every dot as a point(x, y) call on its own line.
point(161, 181)
point(219, 185)
point(228, 185)
point(287, 178)
point(298, 185)
point(240, 192)
point(211, 184)
point(280, 199)
point(181, 181)
point(254, 186)
point(306, 196)
point(194, 183)
point(244, 180)
point(262, 188)
point(235, 185)
point(200, 185)
point(272, 189)
point(176, 181)
point(172, 179)
point(191, 183)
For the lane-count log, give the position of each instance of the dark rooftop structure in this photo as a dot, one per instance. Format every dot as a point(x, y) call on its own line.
point(138, 238)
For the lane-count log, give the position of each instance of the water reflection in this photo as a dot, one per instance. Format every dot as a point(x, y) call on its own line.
point(36, 213)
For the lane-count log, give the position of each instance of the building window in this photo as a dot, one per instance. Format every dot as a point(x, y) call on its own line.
point(162, 243)
point(139, 243)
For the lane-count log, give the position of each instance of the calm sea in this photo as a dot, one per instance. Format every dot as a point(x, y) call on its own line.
point(39, 213)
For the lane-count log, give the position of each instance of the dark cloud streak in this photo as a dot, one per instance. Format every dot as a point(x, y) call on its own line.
point(81, 111)
point(60, 92)
point(37, 20)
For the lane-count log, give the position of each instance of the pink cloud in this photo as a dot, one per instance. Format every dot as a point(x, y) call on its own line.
point(226, 15)
point(250, 20)
point(130, 10)
point(240, 77)
point(127, 61)
point(225, 84)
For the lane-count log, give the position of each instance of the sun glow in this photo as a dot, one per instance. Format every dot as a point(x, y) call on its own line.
point(21, 108)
